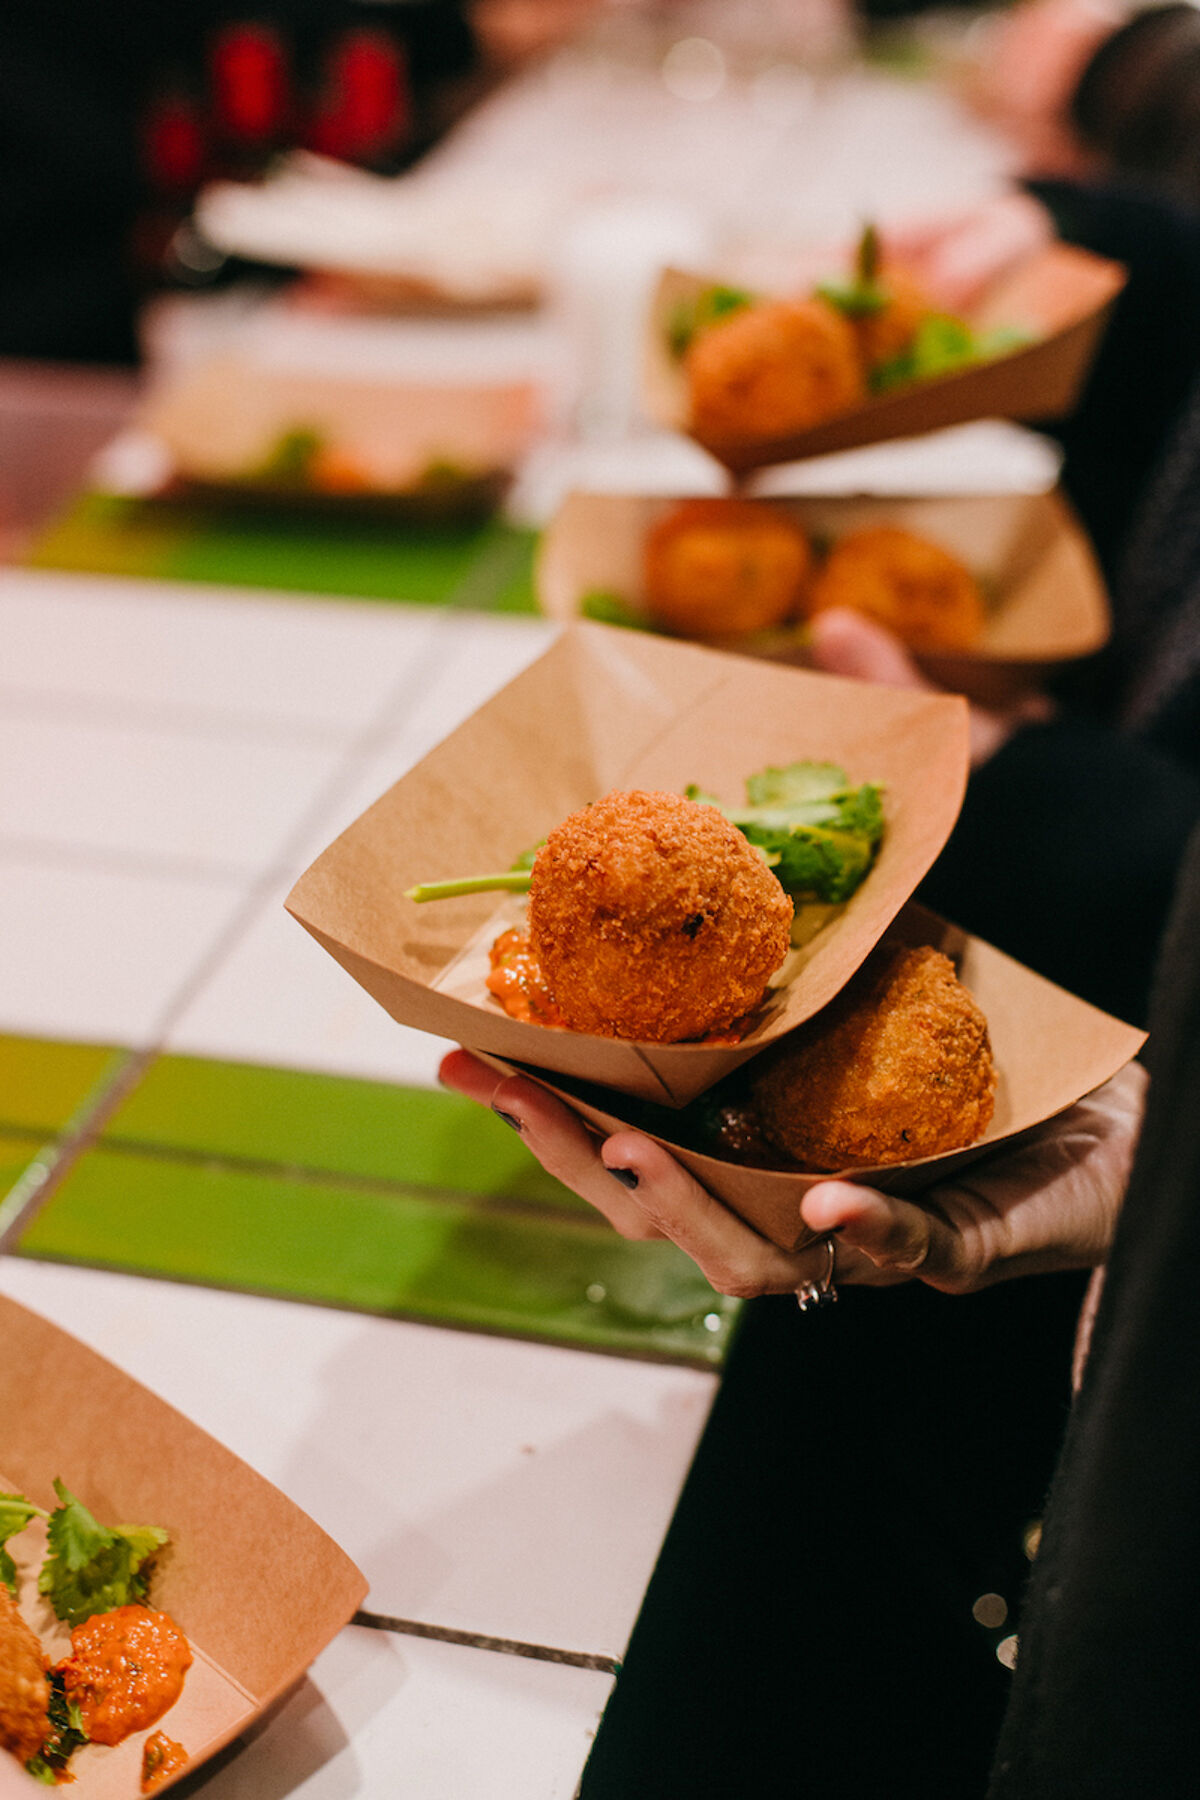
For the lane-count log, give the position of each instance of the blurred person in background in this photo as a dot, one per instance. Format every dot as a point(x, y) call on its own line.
point(112, 116)
point(1097, 87)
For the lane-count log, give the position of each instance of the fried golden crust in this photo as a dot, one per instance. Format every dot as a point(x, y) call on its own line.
point(918, 590)
point(652, 918)
point(889, 332)
point(898, 1067)
point(770, 370)
point(24, 1690)
point(715, 568)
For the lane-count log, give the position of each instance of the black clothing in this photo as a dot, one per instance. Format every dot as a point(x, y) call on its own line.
point(1105, 1701)
point(1066, 855)
point(1149, 361)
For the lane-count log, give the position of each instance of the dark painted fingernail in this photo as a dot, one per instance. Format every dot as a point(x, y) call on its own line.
point(509, 1119)
point(627, 1177)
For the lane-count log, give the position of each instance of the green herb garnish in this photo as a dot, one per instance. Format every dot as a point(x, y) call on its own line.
point(608, 608)
point(15, 1513)
point(91, 1568)
point(289, 461)
point(66, 1735)
point(941, 346)
point(818, 834)
point(700, 311)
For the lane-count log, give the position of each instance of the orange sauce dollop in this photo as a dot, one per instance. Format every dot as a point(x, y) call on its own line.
point(161, 1758)
point(125, 1669)
point(517, 981)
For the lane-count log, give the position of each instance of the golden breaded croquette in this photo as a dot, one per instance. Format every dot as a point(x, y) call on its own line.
point(918, 590)
point(24, 1690)
point(889, 331)
point(899, 1066)
point(719, 568)
point(770, 370)
point(653, 918)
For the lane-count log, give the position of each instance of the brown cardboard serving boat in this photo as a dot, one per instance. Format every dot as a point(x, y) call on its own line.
point(418, 449)
point(256, 1585)
point(1046, 601)
point(604, 709)
point(1060, 298)
point(1049, 1047)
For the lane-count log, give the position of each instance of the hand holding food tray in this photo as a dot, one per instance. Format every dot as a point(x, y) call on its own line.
point(712, 349)
point(1044, 1047)
point(255, 1587)
point(606, 711)
point(988, 591)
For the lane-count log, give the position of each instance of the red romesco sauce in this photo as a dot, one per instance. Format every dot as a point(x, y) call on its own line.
point(161, 1758)
point(125, 1668)
point(517, 981)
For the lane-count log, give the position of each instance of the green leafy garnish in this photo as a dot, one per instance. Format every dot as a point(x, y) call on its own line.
point(817, 833)
point(940, 346)
point(700, 311)
point(66, 1735)
point(865, 294)
point(15, 1514)
point(289, 461)
point(611, 609)
point(91, 1568)
point(513, 881)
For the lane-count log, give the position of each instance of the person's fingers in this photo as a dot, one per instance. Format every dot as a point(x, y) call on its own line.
point(465, 1073)
point(843, 642)
point(732, 1256)
point(882, 1239)
point(556, 1136)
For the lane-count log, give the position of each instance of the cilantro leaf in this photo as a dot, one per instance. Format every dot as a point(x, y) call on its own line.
point(815, 832)
point(90, 1568)
point(15, 1514)
point(66, 1735)
point(702, 310)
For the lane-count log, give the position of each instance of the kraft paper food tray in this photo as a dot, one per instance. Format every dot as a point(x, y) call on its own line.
point(218, 423)
point(257, 1587)
point(1061, 297)
point(604, 709)
point(1045, 596)
point(1049, 1048)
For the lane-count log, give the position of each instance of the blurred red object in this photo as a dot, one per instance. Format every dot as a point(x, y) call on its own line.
point(365, 112)
point(174, 143)
point(250, 83)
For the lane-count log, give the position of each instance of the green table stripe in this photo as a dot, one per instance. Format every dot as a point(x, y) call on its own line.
point(46, 1085)
point(333, 1125)
point(333, 554)
point(403, 1253)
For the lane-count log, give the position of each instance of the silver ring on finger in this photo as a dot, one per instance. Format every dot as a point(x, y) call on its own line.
point(820, 1292)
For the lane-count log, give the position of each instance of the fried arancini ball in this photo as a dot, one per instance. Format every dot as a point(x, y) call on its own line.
point(916, 588)
point(888, 333)
point(899, 1066)
point(24, 1690)
point(769, 370)
point(653, 918)
point(719, 568)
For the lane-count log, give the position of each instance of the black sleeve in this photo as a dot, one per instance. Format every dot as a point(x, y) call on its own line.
point(1066, 855)
point(1149, 359)
point(1104, 1702)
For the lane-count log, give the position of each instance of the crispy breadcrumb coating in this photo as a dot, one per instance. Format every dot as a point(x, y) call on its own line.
point(897, 1067)
point(889, 332)
point(914, 587)
point(653, 919)
point(24, 1690)
point(717, 568)
point(774, 369)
